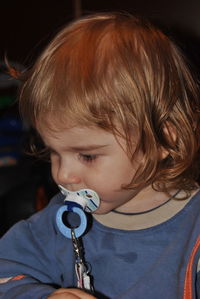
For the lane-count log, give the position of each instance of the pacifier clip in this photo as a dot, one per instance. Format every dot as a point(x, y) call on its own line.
point(79, 202)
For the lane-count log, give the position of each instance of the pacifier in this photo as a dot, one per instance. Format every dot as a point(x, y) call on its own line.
point(79, 202)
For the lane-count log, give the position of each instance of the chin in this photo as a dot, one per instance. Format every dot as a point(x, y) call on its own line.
point(103, 209)
point(100, 212)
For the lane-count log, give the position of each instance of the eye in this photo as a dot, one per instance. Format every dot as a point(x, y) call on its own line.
point(87, 158)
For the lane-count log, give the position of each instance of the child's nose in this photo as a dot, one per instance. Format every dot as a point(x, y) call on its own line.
point(66, 176)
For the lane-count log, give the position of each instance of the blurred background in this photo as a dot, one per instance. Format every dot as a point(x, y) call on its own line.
point(26, 27)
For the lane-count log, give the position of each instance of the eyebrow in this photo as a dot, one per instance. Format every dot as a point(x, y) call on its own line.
point(90, 147)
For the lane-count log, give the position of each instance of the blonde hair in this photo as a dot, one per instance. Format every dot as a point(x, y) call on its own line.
point(110, 70)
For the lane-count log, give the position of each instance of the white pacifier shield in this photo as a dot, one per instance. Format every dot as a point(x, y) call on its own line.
point(87, 198)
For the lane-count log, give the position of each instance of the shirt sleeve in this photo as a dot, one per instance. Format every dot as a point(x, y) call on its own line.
point(23, 287)
point(27, 258)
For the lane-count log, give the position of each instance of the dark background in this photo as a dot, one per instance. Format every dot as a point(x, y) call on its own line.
point(25, 28)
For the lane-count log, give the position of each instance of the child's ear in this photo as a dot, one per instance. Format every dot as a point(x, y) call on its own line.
point(171, 135)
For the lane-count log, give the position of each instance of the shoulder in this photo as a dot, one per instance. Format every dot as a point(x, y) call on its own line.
point(50, 209)
point(40, 223)
point(44, 220)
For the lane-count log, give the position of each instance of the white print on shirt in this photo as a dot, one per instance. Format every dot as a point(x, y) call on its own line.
point(13, 278)
point(198, 266)
point(6, 279)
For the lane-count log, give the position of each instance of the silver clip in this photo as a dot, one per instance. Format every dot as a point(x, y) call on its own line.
point(77, 247)
point(82, 271)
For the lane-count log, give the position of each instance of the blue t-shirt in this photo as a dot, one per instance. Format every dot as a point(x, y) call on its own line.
point(35, 258)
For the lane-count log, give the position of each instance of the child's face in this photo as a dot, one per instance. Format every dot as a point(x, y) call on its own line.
point(91, 158)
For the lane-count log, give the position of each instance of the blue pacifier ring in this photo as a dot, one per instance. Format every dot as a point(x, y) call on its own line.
point(65, 230)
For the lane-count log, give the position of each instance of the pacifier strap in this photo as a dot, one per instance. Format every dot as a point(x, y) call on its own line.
point(78, 202)
point(81, 267)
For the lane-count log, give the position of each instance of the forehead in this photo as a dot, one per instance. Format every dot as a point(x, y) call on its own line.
point(75, 135)
point(55, 125)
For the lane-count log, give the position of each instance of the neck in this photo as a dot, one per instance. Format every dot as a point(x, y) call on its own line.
point(150, 210)
point(147, 199)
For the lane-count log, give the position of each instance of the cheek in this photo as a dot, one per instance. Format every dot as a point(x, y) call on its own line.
point(111, 176)
point(54, 168)
point(53, 173)
point(109, 184)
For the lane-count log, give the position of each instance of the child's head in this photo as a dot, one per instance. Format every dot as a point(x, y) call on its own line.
point(119, 73)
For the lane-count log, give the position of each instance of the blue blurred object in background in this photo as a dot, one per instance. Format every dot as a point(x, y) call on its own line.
point(11, 137)
point(25, 181)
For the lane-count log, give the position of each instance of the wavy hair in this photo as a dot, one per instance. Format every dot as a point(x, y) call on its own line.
point(114, 70)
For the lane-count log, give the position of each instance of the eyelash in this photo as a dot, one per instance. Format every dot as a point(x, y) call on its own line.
point(88, 158)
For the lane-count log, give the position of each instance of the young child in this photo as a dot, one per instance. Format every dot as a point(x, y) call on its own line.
point(118, 110)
